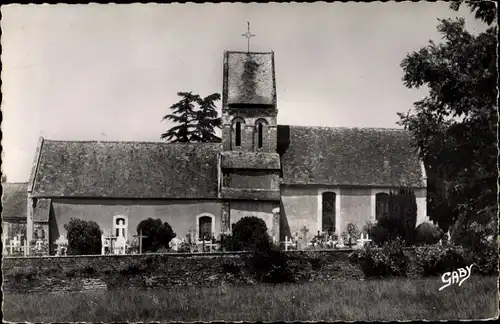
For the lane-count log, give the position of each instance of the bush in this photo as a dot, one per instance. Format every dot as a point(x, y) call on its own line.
point(485, 261)
point(158, 234)
point(250, 234)
point(386, 261)
point(437, 259)
point(84, 237)
point(399, 221)
point(480, 239)
point(427, 233)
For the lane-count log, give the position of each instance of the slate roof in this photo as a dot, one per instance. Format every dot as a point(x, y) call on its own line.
point(249, 78)
point(309, 156)
point(126, 170)
point(14, 200)
point(348, 157)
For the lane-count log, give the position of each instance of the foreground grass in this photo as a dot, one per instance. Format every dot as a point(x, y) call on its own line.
point(396, 299)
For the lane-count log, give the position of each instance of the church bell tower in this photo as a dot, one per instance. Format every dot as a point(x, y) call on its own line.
point(249, 164)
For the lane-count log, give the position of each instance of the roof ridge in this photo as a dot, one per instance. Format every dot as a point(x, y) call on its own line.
point(134, 142)
point(347, 127)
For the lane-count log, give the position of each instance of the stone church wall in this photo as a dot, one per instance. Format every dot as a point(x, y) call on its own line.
point(301, 206)
point(355, 206)
point(180, 214)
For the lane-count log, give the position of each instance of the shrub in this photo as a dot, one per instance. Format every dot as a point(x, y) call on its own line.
point(437, 259)
point(386, 261)
point(480, 239)
point(427, 233)
point(250, 234)
point(399, 221)
point(158, 234)
point(485, 261)
point(84, 237)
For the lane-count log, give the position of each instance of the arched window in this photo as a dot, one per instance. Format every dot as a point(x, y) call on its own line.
point(328, 212)
point(259, 135)
point(205, 227)
point(238, 134)
point(381, 204)
point(237, 129)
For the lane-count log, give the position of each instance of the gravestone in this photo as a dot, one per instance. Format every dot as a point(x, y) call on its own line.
point(175, 243)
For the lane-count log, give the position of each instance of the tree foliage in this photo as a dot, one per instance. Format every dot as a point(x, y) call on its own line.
point(399, 222)
point(195, 119)
point(427, 233)
point(455, 126)
point(250, 233)
point(84, 237)
point(158, 234)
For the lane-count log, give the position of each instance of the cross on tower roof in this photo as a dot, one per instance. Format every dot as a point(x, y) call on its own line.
point(248, 35)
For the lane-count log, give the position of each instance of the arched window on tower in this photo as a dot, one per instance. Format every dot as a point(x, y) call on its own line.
point(238, 126)
point(328, 212)
point(259, 133)
point(381, 204)
point(238, 134)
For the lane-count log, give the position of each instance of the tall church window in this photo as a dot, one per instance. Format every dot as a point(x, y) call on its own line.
point(259, 131)
point(259, 135)
point(238, 134)
point(381, 204)
point(204, 228)
point(328, 212)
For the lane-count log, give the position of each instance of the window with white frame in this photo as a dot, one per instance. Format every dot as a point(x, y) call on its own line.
point(205, 227)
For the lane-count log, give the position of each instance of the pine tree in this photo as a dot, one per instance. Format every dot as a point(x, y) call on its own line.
point(194, 124)
point(207, 119)
point(183, 114)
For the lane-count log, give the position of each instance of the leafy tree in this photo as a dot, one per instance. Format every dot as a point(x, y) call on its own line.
point(455, 126)
point(195, 119)
point(158, 234)
point(250, 233)
point(84, 237)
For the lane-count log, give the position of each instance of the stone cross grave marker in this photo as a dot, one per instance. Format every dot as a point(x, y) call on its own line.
point(364, 239)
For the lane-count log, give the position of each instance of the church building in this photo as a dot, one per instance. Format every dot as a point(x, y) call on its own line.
point(297, 179)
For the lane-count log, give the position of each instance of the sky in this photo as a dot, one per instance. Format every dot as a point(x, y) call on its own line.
point(110, 72)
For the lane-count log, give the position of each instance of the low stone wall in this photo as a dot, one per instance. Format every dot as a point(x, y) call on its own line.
point(77, 273)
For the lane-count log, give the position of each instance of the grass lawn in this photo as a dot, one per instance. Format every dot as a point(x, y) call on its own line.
point(396, 299)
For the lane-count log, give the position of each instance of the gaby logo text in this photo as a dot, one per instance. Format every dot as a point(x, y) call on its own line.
point(457, 276)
